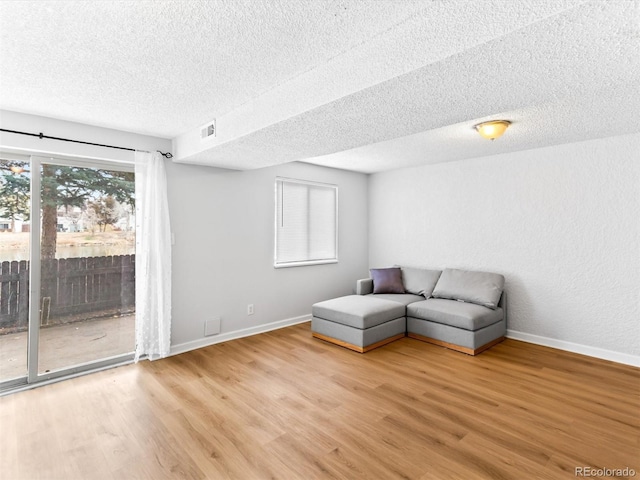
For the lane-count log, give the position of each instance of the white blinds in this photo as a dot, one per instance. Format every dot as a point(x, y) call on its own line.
point(306, 223)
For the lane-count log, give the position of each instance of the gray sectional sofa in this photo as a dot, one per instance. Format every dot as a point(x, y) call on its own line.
point(459, 309)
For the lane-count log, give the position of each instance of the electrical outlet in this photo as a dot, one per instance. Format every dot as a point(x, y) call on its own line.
point(250, 309)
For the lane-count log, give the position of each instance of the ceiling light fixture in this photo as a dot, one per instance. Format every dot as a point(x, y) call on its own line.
point(492, 129)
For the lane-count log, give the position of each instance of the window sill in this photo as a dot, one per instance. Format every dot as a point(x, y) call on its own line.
point(305, 264)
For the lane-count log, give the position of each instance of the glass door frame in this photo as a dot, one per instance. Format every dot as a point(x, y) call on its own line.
point(14, 383)
point(33, 377)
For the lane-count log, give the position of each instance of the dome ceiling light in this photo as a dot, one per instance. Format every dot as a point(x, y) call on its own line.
point(493, 129)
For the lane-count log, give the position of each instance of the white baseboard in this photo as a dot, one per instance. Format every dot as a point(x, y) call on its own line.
point(610, 355)
point(618, 357)
point(245, 332)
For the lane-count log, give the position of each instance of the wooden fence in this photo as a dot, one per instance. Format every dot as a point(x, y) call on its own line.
point(72, 289)
point(14, 294)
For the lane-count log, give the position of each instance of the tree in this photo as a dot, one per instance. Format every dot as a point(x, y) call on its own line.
point(107, 210)
point(72, 186)
point(14, 198)
point(66, 186)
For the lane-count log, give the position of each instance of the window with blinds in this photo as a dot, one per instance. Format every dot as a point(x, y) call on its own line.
point(306, 223)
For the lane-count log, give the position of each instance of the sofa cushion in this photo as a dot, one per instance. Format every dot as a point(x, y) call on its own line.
point(404, 299)
point(358, 311)
point(419, 281)
point(467, 316)
point(481, 288)
point(387, 280)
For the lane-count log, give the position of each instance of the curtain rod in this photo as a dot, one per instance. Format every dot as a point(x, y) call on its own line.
point(41, 135)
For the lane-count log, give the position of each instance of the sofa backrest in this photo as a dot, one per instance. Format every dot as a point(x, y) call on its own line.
point(481, 288)
point(364, 286)
point(419, 281)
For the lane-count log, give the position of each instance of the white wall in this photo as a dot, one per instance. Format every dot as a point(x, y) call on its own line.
point(223, 254)
point(561, 223)
point(223, 223)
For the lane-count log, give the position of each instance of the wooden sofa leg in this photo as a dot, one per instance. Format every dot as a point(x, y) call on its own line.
point(457, 348)
point(356, 348)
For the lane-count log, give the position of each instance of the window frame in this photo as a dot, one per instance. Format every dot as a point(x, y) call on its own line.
point(303, 263)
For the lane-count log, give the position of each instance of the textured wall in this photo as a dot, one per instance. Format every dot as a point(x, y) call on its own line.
point(223, 223)
point(561, 223)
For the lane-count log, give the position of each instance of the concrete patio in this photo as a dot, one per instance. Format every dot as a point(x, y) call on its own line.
point(68, 344)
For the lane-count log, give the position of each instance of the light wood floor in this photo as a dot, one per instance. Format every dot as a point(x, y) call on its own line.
point(283, 405)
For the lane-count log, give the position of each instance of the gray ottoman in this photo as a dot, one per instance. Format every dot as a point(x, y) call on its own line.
point(358, 322)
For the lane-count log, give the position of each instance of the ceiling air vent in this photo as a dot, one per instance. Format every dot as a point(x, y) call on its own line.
point(208, 130)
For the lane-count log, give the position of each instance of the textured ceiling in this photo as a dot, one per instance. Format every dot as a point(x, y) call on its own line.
point(366, 85)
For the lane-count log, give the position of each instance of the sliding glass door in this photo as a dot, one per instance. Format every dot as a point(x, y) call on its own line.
point(15, 207)
point(78, 283)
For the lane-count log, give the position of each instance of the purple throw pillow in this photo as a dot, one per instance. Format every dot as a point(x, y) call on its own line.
point(387, 280)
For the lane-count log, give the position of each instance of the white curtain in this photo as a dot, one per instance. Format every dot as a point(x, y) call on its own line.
point(153, 258)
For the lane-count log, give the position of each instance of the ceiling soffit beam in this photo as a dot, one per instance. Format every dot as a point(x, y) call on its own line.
point(415, 46)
